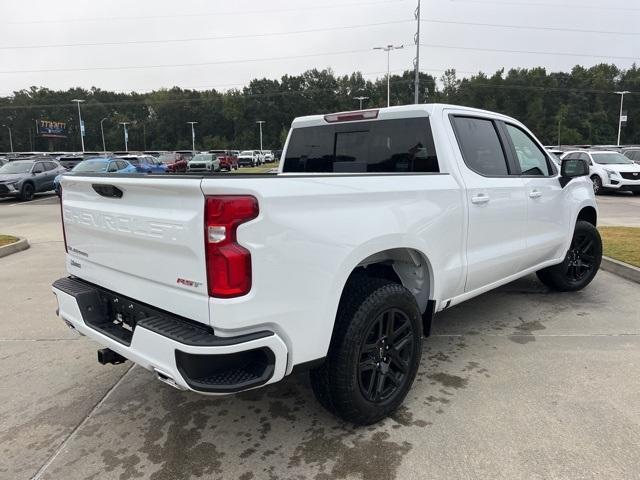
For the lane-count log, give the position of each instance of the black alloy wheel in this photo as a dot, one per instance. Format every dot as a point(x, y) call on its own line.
point(581, 257)
point(385, 355)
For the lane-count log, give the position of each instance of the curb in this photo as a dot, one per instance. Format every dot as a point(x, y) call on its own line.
point(621, 269)
point(21, 244)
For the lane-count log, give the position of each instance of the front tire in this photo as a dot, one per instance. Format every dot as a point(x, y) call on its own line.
point(374, 353)
point(581, 263)
point(27, 193)
point(597, 184)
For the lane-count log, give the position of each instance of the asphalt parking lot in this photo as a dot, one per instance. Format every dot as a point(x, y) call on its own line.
point(519, 383)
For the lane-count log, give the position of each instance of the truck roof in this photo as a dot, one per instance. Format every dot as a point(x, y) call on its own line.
point(388, 113)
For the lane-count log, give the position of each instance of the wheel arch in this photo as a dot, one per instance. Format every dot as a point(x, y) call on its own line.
point(406, 266)
point(588, 214)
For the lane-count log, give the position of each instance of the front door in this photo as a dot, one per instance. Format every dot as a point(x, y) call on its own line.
point(547, 220)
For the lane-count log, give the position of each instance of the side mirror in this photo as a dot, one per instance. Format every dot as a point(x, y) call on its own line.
point(572, 168)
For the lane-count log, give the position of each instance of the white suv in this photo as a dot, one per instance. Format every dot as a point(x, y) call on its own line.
point(609, 170)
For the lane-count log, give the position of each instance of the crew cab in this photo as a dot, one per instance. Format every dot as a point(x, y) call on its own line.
point(376, 220)
point(609, 171)
point(248, 158)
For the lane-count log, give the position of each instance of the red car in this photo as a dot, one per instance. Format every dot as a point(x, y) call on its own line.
point(175, 162)
point(228, 160)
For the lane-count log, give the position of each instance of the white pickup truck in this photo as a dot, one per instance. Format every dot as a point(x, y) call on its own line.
point(376, 220)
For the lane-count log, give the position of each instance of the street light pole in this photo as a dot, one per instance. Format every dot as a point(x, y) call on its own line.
point(104, 145)
point(416, 86)
point(388, 49)
point(360, 99)
point(10, 138)
point(193, 135)
point(622, 94)
point(78, 101)
point(126, 135)
point(260, 122)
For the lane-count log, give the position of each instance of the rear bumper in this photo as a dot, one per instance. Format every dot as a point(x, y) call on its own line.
point(184, 354)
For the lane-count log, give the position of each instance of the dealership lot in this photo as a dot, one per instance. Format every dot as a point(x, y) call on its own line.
point(518, 383)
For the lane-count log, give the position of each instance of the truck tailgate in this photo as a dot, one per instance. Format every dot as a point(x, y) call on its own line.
point(147, 243)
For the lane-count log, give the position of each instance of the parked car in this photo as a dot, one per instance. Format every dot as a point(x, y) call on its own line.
point(187, 154)
point(204, 162)
point(228, 159)
point(174, 161)
point(145, 163)
point(268, 156)
point(632, 153)
point(317, 268)
point(70, 161)
point(97, 165)
point(248, 158)
point(259, 156)
point(25, 178)
point(609, 170)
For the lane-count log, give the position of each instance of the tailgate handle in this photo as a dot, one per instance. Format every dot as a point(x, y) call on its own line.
point(107, 190)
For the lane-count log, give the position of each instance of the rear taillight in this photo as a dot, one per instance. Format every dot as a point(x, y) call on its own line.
point(64, 234)
point(228, 263)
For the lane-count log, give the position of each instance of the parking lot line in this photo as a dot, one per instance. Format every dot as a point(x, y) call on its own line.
point(64, 443)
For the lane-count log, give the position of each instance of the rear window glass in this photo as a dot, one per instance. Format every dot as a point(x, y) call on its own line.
point(383, 146)
point(480, 145)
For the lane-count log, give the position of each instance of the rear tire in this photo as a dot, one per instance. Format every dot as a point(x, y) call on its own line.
point(374, 353)
point(581, 263)
point(27, 193)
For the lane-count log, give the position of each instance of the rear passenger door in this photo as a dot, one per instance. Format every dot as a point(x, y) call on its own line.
point(547, 221)
point(497, 218)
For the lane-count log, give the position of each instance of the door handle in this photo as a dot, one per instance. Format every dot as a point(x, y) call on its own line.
point(480, 199)
point(535, 194)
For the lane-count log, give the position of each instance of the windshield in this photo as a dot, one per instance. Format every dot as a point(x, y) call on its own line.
point(16, 167)
point(91, 166)
point(610, 158)
point(202, 157)
point(247, 152)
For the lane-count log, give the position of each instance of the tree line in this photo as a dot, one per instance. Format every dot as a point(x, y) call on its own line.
point(578, 107)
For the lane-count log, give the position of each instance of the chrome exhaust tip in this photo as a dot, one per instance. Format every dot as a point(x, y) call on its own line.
point(166, 378)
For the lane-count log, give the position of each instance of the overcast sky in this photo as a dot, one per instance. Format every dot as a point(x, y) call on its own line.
point(149, 44)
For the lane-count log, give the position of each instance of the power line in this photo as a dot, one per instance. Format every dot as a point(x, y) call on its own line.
point(174, 65)
point(201, 39)
point(552, 5)
point(205, 14)
point(533, 52)
point(527, 27)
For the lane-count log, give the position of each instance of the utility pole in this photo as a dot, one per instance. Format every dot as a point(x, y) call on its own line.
point(78, 101)
point(260, 122)
point(10, 138)
point(388, 49)
point(126, 135)
point(104, 145)
point(193, 135)
point(622, 94)
point(416, 62)
point(361, 99)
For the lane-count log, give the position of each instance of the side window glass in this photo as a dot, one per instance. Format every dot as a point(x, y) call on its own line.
point(113, 167)
point(585, 157)
point(38, 168)
point(531, 158)
point(480, 145)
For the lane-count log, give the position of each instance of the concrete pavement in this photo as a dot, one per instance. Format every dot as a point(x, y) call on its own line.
point(619, 209)
point(518, 383)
